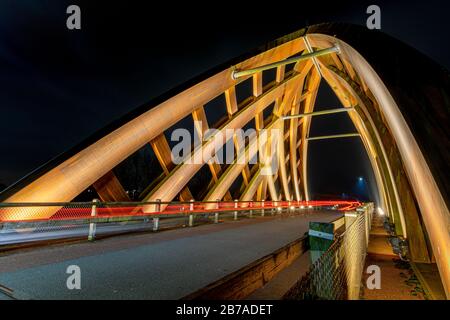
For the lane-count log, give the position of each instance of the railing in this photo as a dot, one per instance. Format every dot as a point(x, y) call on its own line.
point(336, 275)
point(91, 219)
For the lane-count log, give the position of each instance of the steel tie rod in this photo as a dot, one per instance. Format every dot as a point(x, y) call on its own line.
point(317, 113)
point(334, 136)
point(242, 73)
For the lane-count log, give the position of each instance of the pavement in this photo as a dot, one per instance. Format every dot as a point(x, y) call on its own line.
point(398, 280)
point(162, 265)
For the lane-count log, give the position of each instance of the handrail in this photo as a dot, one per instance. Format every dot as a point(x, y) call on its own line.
point(82, 210)
point(119, 203)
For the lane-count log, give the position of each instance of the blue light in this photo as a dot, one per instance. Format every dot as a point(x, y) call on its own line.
point(360, 178)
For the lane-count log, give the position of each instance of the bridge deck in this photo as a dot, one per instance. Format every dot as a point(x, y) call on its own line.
point(165, 265)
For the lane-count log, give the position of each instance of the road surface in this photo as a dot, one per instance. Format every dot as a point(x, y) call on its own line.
point(163, 265)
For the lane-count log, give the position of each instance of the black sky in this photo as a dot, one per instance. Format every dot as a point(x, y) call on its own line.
point(58, 86)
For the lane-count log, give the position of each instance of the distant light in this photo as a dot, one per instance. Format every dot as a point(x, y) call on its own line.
point(279, 208)
point(292, 207)
point(310, 207)
point(302, 207)
point(380, 211)
point(360, 178)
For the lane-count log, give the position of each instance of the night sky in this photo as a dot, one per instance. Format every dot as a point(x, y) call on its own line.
point(57, 86)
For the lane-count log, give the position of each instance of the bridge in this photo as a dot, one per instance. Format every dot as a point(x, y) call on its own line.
point(273, 91)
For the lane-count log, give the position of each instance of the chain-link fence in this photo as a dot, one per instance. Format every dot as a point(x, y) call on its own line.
point(336, 274)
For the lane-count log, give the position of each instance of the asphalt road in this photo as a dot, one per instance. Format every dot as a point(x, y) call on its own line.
point(164, 265)
point(11, 235)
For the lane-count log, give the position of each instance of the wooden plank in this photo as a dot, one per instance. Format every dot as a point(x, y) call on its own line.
point(232, 108)
point(252, 187)
point(257, 84)
point(200, 119)
point(109, 188)
point(262, 190)
point(231, 101)
point(312, 86)
point(293, 142)
point(163, 153)
point(259, 125)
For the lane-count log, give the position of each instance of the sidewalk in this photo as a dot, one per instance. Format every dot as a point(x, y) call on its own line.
point(398, 281)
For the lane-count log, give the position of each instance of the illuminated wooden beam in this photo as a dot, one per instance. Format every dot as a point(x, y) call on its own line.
point(434, 210)
point(348, 99)
point(282, 107)
point(312, 86)
point(242, 73)
point(109, 188)
point(231, 101)
point(285, 107)
point(232, 108)
point(257, 84)
point(232, 172)
point(215, 168)
point(163, 153)
point(345, 86)
point(184, 172)
point(293, 139)
point(252, 187)
point(76, 173)
point(81, 169)
point(279, 77)
point(261, 193)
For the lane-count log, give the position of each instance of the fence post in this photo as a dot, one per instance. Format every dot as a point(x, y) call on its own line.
point(155, 224)
point(216, 214)
point(367, 218)
point(321, 236)
point(235, 206)
point(93, 225)
point(262, 210)
point(156, 219)
point(279, 209)
point(350, 217)
point(250, 211)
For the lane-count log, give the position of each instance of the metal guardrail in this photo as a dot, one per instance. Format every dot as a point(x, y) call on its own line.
point(91, 219)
